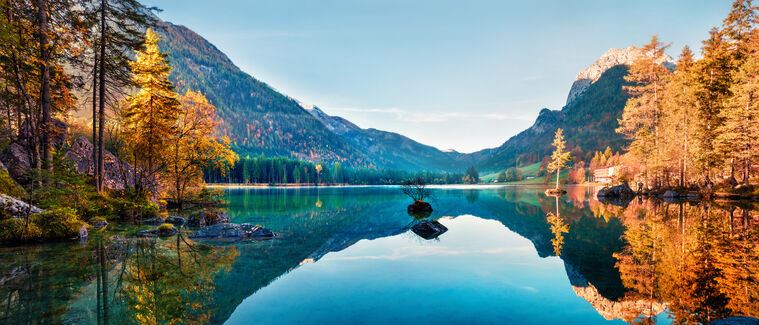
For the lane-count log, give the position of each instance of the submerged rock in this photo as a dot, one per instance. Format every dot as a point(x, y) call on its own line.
point(233, 231)
point(164, 230)
point(153, 221)
point(429, 229)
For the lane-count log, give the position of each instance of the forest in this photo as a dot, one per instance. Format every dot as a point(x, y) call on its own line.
point(146, 145)
point(695, 126)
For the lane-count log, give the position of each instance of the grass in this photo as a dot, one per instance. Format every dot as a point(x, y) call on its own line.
point(529, 170)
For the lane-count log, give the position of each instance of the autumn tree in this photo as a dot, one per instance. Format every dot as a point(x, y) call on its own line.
point(737, 136)
point(116, 32)
point(150, 116)
point(679, 118)
point(560, 155)
point(642, 112)
point(194, 145)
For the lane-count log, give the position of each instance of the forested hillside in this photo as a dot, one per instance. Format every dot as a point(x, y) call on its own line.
point(257, 118)
point(589, 122)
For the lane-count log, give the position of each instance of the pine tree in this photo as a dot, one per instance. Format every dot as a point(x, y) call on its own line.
point(679, 116)
point(151, 114)
point(642, 113)
point(560, 155)
point(737, 136)
point(714, 73)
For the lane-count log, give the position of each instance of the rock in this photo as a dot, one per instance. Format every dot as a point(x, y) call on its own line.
point(429, 229)
point(419, 207)
point(153, 221)
point(671, 194)
point(117, 175)
point(233, 231)
point(176, 221)
point(15, 208)
point(693, 195)
point(555, 192)
point(165, 230)
point(16, 159)
point(619, 195)
point(83, 233)
point(207, 218)
point(100, 224)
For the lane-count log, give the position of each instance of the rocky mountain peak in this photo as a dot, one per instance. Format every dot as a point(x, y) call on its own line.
point(613, 57)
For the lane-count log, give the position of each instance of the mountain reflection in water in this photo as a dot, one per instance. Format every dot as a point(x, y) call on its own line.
point(347, 254)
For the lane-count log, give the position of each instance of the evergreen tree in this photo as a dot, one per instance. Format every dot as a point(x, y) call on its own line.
point(679, 115)
point(737, 136)
point(149, 119)
point(642, 113)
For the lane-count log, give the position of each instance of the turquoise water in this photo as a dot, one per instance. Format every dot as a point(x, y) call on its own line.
point(348, 255)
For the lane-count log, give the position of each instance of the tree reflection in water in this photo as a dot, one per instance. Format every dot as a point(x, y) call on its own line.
point(701, 260)
point(172, 282)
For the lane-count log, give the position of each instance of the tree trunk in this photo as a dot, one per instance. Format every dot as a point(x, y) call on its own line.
point(101, 130)
point(558, 172)
point(95, 171)
point(44, 84)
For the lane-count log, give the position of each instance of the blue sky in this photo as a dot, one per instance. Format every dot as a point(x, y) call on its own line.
point(465, 75)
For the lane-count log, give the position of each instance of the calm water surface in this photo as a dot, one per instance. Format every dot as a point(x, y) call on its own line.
point(348, 255)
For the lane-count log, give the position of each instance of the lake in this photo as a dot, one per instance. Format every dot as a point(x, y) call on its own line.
point(349, 255)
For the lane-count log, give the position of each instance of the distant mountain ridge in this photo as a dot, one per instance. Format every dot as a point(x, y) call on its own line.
point(261, 120)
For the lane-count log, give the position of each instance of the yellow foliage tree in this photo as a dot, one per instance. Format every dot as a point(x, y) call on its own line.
point(150, 116)
point(193, 145)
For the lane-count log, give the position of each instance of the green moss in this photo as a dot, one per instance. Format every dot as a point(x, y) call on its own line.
point(165, 227)
point(16, 230)
point(8, 186)
point(59, 223)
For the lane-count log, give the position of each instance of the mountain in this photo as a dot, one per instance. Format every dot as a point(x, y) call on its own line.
point(589, 118)
point(392, 150)
point(261, 120)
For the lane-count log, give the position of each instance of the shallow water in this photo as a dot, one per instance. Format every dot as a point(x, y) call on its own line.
point(348, 255)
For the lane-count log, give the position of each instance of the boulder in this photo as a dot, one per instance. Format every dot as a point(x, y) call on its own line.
point(204, 218)
point(100, 224)
point(429, 229)
point(176, 221)
point(15, 208)
point(117, 175)
point(16, 159)
point(233, 231)
point(671, 194)
point(619, 195)
point(419, 207)
point(164, 230)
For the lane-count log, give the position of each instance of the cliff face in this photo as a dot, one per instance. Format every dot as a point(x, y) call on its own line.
point(613, 57)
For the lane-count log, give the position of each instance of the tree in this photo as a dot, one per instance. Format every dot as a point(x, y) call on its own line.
point(501, 177)
point(318, 169)
point(193, 145)
point(416, 189)
point(116, 31)
point(151, 114)
point(472, 176)
point(642, 112)
point(560, 155)
point(737, 136)
point(680, 115)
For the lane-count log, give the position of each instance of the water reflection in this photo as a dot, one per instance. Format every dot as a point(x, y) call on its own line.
point(590, 262)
